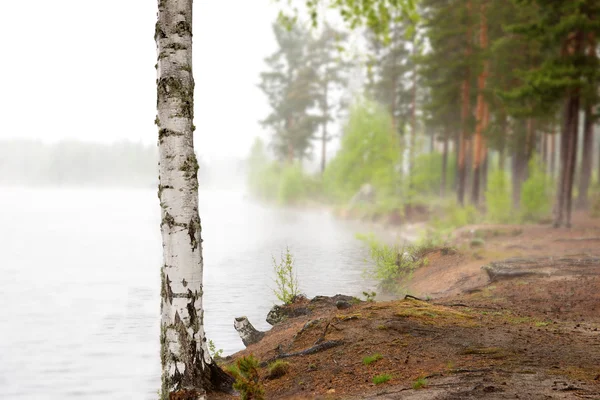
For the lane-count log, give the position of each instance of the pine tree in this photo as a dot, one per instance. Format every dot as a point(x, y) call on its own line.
point(330, 71)
point(289, 87)
point(563, 30)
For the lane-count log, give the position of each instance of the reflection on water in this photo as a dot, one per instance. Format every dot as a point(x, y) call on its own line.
point(79, 293)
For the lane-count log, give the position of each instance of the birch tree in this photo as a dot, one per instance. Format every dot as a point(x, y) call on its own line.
point(187, 368)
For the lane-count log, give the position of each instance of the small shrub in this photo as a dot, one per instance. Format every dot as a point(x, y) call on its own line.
point(535, 194)
point(595, 209)
point(292, 186)
point(419, 383)
point(214, 353)
point(247, 379)
point(498, 200)
point(477, 242)
point(371, 359)
point(391, 264)
point(370, 296)
point(285, 278)
point(383, 378)
point(278, 369)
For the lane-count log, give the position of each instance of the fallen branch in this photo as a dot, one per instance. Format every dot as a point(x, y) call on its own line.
point(312, 350)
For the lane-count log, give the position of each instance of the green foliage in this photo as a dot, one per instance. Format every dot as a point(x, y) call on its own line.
point(368, 360)
point(370, 296)
point(383, 378)
point(374, 14)
point(420, 383)
point(535, 193)
point(391, 263)
point(285, 278)
point(247, 378)
point(426, 177)
point(270, 181)
point(455, 216)
point(214, 353)
point(477, 242)
point(292, 185)
point(499, 205)
point(278, 368)
point(369, 153)
point(595, 209)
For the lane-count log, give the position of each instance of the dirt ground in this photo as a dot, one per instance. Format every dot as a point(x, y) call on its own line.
point(527, 326)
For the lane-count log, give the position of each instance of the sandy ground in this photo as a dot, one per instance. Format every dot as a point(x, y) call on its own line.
point(527, 326)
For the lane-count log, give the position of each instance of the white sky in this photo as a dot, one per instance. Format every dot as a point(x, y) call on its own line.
point(84, 69)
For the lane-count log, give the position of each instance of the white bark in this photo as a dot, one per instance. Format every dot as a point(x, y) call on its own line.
point(186, 362)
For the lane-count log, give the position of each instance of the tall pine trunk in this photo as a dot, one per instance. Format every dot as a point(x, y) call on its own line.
point(572, 45)
point(552, 155)
point(444, 166)
point(465, 110)
point(585, 174)
point(186, 362)
point(324, 138)
point(478, 139)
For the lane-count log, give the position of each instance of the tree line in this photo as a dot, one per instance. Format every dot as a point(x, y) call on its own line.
point(503, 87)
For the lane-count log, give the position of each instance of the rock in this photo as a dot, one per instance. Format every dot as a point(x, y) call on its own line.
point(342, 305)
point(365, 195)
point(248, 333)
point(279, 314)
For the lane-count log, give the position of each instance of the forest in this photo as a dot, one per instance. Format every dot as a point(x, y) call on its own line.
point(482, 110)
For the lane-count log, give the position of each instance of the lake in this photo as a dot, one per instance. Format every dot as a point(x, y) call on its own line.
point(79, 293)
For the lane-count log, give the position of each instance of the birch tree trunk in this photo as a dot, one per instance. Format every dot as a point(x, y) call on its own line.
point(186, 363)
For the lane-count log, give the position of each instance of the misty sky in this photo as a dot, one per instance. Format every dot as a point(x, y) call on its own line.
point(84, 69)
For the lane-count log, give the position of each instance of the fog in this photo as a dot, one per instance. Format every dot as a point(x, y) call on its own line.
point(84, 70)
point(426, 155)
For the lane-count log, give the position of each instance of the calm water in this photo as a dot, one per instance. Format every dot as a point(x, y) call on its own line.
point(79, 286)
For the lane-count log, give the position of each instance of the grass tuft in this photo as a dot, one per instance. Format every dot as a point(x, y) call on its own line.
point(383, 378)
point(371, 359)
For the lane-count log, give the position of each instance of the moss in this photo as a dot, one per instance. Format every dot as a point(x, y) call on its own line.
point(168, 220)
point(190, 167)
point(165, 133)
point(171, 87)
point(175, 46)
point(166, 293)
point(430, 314)
point(158, 32)
point(278, 369)
point(182, 28)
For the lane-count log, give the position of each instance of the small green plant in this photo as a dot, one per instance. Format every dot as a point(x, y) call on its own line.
point(247, 378)
point(421, 382)
point(477, 242)
point(383, 378)
point(368, 360)
point(392, 264)
point(370, 296)
point(595, 209)
point(278, 369)
point(535, 194)
point(498, 201)
point(285, 278)
point(214, 353)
